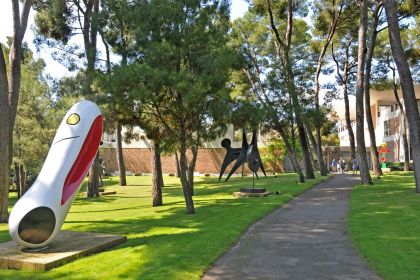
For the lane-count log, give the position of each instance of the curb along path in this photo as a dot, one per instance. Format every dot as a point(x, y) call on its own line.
point(304, 239)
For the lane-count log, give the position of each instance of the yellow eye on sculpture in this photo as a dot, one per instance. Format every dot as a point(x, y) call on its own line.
point(73, 119)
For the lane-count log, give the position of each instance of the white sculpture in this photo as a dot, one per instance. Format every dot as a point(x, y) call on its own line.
point(39, 214)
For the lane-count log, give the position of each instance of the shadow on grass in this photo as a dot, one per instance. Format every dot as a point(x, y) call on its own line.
point(168, 244)
point(163, 236)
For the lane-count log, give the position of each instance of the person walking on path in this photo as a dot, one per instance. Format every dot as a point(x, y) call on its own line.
point(355, 166)
point(340, 166)
point(334, 165)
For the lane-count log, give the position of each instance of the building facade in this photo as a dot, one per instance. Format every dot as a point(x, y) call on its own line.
point(387, 121)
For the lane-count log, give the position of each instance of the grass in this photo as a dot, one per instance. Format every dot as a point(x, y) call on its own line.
point(163, 242)
point(384, 225)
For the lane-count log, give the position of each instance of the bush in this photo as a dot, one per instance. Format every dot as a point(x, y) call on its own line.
point(399, 166)
point(274, 155)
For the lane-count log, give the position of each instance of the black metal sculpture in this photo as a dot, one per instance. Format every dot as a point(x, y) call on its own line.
point(253, 162)
point(241, 155)
point(254, 156)
point(233, 154)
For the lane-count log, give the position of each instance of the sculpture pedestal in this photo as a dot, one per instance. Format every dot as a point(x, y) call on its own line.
point(245, 194)
point(253, 190)
point(67, 246)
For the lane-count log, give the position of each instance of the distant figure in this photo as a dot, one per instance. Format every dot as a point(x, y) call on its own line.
point(339, 166)
point(334, 165)
point(355, 166)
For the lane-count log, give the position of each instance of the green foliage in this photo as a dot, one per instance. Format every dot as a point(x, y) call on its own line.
point(53, 19)
point(274, 154)
point(301, 7)
point(35, 124)
point(382, 70)
point(262, 75)
point(182, 72)
point(324, 13)
point(399, 166)
point(384, 227)
point(163, 242)
point(246, 115)
point(331, 139)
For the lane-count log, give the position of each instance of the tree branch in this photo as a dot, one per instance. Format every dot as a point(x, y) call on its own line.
point(336, 63)
point(273, 25)
point(24, 18)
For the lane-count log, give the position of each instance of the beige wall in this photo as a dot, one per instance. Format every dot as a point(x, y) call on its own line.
point(139, 161)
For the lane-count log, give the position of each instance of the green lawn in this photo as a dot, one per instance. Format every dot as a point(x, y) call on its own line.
point(384, 223)
point(164, 242)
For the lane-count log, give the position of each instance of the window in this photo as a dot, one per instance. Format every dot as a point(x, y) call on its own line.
point(387, 128)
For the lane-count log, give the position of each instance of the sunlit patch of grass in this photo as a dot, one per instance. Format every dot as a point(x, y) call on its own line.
point(163, 242)
point(384, 225)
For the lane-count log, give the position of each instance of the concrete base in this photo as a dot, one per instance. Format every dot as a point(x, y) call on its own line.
point(386, 170)
point(244, 194)
point(67, 246)
point(253, 190)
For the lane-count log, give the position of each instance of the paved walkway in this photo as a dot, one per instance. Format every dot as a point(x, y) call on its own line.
point(305, 239)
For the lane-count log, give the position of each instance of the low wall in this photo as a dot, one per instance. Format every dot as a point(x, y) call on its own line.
point(137, 160)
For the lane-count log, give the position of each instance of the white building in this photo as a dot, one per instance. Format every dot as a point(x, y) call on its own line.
point(387, 121)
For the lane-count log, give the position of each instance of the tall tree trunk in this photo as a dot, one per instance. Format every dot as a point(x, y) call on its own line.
point(290, 152)
point(321, 164)
point(311, 139)
point(176, 162)
point(120, 156)
point(93, 182)
point(369, 56)
point(403, 121)
point(183, 165)
point(94, 177)
point(348, 121)
point(319, 152)
point(4, 167)
point(407, 86)
point(157, 178)
point(360, 135)
point(22, 179)
point(309, 171)
point(344, 79)
point(89, 31)
point(285, 45)
point(191, 168)
point(9, 98)
point(17, 179)
point(4, 140)
point(189, 203)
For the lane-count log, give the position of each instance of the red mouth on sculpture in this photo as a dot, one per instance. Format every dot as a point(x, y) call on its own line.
point(83, 161)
